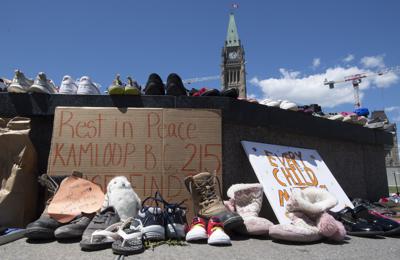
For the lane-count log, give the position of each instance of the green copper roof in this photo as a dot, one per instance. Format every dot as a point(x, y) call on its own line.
point(232, 36)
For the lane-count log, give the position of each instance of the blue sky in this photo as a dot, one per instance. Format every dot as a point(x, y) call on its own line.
point(291, 46)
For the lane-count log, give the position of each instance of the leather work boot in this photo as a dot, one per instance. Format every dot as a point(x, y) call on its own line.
point(43, 228)
point(208, 203)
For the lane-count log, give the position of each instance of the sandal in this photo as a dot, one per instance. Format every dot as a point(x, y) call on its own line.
point(102, 239)
point(129, 241)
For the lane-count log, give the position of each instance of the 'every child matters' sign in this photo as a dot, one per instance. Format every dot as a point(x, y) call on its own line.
point(282, 168)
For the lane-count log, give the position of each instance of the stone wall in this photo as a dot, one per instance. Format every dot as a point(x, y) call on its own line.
point(355, 155)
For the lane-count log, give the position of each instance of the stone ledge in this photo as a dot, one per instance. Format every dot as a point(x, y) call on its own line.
point(233, 112)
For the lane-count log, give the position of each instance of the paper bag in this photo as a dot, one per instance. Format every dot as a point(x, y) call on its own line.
point(18, 173)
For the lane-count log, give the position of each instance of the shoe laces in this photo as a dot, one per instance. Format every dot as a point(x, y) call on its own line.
point(206, 189)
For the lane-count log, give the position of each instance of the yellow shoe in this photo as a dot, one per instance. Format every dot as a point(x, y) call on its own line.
point(132, 88)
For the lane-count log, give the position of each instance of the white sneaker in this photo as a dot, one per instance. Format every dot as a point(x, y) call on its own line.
point(68, 86)
point(265, 101)
point(274, 103)
point(216, 233)
point(287, 105)
point(197, 230)
point(19, 84)
point(87, 87)
point(43, 85)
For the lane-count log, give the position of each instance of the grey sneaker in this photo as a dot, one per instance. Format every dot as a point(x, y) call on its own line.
point(43, 85)
point(75, 228)
point(19, 84)
point(101, 221)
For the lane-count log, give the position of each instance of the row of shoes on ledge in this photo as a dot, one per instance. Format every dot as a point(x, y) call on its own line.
point(173, 87)
point(85, 86)
point(41, 84)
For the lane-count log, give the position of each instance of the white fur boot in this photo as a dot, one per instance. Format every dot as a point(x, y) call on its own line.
point(122, 197)
point(247, 200)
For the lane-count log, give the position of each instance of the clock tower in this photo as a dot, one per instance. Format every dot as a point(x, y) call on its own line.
point(233, 72)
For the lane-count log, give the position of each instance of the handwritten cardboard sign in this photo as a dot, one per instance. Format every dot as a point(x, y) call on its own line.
point(282, 168)
point(74, 196)
point(154, 148)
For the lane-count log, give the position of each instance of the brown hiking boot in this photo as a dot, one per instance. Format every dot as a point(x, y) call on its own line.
point(207, 202)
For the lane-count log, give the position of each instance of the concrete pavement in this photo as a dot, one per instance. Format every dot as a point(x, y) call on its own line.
point(355, 248)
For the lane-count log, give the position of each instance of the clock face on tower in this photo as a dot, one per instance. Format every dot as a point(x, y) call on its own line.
point(233, 55)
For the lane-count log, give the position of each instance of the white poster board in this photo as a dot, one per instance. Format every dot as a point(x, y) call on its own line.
point(283, 168)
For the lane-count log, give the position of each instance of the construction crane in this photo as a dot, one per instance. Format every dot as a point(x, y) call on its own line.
point(357, 79)
point(200, 79)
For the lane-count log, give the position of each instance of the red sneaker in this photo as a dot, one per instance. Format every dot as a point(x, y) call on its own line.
point(216, 233)
point(197, 230)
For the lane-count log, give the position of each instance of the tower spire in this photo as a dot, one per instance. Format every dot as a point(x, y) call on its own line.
point(232, 36)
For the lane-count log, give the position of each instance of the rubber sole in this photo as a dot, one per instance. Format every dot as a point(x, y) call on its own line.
point(16, 89)
point(68, 234)
point(127, 250)
point(177, 231)
point(154, 233)
point(366, 234)
point(116, 91)
point(38, 89)
point(219, 242)
point(196, 235)
point(392, 232)
point(87, 246)
point(132, 91)
point(39, 233)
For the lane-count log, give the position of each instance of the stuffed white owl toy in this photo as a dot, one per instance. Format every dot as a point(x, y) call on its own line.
point(122, 197)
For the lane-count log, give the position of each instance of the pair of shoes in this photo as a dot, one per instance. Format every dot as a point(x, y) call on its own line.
point(207, 203)
point(21, 84)
point(119, 88)
point(283, 104)
point(207, 92)
point(108, 221)
point(246, 200)
point(45, 226)
point(389, 227)
point(48, 228)
point(161, 223)
point(174, 87)
point(355, 225)
point(214, 234)
point(83, 86)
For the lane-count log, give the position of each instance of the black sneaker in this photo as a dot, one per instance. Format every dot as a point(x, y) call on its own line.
point(152, 219)
point(154, 85)
point(75, 228)
point(43, 228)
point(101, 221)
point(230, 92)
point(175, 86)
point(174, 218)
